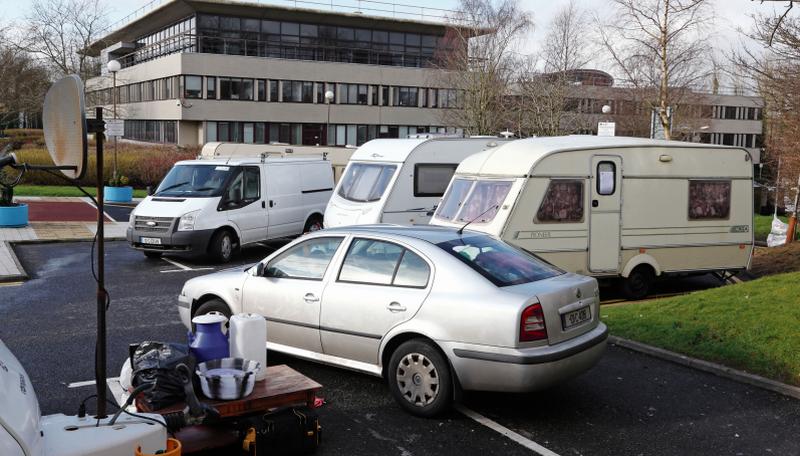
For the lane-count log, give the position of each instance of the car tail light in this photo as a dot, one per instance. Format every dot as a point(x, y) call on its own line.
point(531, 325)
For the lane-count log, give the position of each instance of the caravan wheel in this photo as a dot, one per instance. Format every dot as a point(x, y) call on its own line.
point(638, 284)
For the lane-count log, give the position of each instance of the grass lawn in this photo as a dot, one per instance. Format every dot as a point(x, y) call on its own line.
point(61, 190)
point(753, 326)
point(763, 225)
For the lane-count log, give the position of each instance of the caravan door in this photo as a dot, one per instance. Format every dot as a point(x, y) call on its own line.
point(605, 213)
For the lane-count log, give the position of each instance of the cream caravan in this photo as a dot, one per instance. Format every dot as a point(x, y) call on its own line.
point(611, 206)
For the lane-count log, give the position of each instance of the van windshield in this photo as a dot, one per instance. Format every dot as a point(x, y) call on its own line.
point(499, 262)
point(366, 182)
point(473, 201)
point(195, 181)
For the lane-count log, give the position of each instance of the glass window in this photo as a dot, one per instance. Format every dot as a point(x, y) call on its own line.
point(246, 89)
point(345, 33)
point(484, 201)
point(308, 92)
point(454, 199)
point(308, 30)
point(211, 87)
point(211, 131)
point(413, 271)
point(606, 178)
point(252, 184)
point(370, 261)
point(193, 87)
point(273, 90)
point(306, 260)
point(499, 262)
point(262, 90)
point(199, 181)
point(709, 199)
point(432, 179)
point(365, 182)
point(562, 202)
point(271, 27)
point(248, 133)
point(290, 28)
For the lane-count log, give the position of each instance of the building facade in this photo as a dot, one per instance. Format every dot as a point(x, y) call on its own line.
point(215, 70)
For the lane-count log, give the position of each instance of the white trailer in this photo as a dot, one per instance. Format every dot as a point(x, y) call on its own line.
point(399, 180)
point(611, 206)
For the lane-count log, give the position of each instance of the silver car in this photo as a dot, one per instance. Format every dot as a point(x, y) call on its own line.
point(428, 308)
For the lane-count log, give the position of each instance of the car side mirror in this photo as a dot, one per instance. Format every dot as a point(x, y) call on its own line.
point(260, 267)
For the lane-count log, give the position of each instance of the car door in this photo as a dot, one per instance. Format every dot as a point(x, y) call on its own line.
point(379, 285)
point(243, 204)
point(284, 203)
point(289, 290)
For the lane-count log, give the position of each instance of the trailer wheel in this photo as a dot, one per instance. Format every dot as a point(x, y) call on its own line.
point(637, 285)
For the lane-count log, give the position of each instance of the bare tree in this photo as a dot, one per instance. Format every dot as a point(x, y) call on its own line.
point(566, 44)
point(59, 30)
point(476, 59)
point(25, 82)
point(661, 44)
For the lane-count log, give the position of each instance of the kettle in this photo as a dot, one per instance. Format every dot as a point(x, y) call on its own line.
point(208, 341)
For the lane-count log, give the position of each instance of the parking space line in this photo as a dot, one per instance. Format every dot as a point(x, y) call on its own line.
point(175, 263)
point(527, 443)
point(185, 270)
point(90, 382)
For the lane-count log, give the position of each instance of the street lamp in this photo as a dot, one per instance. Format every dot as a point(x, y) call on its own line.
point(329, 96)
point(114, 66)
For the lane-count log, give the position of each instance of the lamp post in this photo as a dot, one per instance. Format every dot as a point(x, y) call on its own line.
point(114, 66)
point(329, 96)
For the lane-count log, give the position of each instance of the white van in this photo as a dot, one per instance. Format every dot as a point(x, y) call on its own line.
point(336, 156)
point(611, 206)
point(399, 180)
point(217, 206)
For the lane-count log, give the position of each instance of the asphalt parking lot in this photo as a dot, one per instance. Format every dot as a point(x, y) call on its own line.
point(629, 404)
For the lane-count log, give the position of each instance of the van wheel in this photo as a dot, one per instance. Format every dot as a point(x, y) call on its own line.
point(637, 285)
point(221, 246)
point(419, 378)
point(214, 305)
point(153, 255)
point(314, 223)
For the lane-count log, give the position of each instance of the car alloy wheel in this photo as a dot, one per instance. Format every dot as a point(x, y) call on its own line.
point(418, 379)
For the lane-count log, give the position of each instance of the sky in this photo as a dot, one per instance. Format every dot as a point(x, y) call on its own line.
point(729, 14)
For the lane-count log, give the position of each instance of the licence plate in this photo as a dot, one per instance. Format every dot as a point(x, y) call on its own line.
point(576, 317)
point(151, 241)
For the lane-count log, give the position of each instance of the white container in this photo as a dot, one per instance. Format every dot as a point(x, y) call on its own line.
point(248, 340)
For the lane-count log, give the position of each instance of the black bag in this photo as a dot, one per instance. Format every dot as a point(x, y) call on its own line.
point(292, 431)
point(157, 362)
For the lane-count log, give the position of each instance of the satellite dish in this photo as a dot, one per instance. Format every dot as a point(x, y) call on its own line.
point(64, 121)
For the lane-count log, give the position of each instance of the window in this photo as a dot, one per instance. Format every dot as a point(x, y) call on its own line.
point(606, 178)
point(383, 263)
point(562, 203)
point(709, 199)
point(192, 87)
point(453, 200)
point(499, 262)
point(432, 179)
point(365, 182)
point(273, 90)
point(385, 96)
point(307, 260)
point(484, 201)
point(211, 87)
point(262, 90)
point(194, 181)
point(405, 96)
point(252, 184)
point(235, 89)
point(374, 95)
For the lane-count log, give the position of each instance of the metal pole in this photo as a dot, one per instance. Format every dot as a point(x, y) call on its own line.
point(100, 354)
point(328, 125)
point(114, 96)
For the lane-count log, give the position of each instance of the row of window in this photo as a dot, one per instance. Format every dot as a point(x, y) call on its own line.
point(160, 131)
point(247, 89)
point(309, 134)
point(737, 113)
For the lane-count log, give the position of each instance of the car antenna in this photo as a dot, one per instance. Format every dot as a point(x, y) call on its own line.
point(461, 230)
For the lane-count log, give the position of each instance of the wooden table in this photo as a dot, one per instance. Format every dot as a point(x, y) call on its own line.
point(283, 387)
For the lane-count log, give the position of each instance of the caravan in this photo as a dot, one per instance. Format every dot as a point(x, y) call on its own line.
point(399, 180)
point(611, 206)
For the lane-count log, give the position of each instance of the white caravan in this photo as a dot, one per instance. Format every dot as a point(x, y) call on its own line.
point(217, 206)
point(611, 206)
point(337, 156)
point(399, 180)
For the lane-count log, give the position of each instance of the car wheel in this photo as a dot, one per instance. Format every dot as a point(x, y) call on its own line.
point(637, 285)
point(314, 223)
point(153, 255)
point(419, 378)
point(221, 246)
point(214, 305)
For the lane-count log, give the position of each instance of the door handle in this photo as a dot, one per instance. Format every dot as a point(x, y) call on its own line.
point(396, 307)
point(263, 205)
point(309, 297)
point(595, 203)
point(271, 203)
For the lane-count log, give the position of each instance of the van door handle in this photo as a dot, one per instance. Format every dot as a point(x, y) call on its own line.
point(595, 203)
point(309, 298)
point(263, 205)
point(396, 307)
point(271, 203)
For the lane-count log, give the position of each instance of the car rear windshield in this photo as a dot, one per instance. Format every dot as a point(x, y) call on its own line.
point(499, 262)
point(475, 201)
point(195, 181)
point(365, 182)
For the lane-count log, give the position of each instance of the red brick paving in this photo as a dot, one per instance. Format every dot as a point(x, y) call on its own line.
point(66, 211)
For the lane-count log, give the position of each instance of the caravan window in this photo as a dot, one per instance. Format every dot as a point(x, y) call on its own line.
point(454, 199)
point(606, 178)
point(431, 179)
point(484, 201)
point(562, 203)
point(365, 182)
point(709, 199)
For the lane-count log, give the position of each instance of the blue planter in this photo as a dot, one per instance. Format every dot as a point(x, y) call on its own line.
point(118, 194)
point(14, 216)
